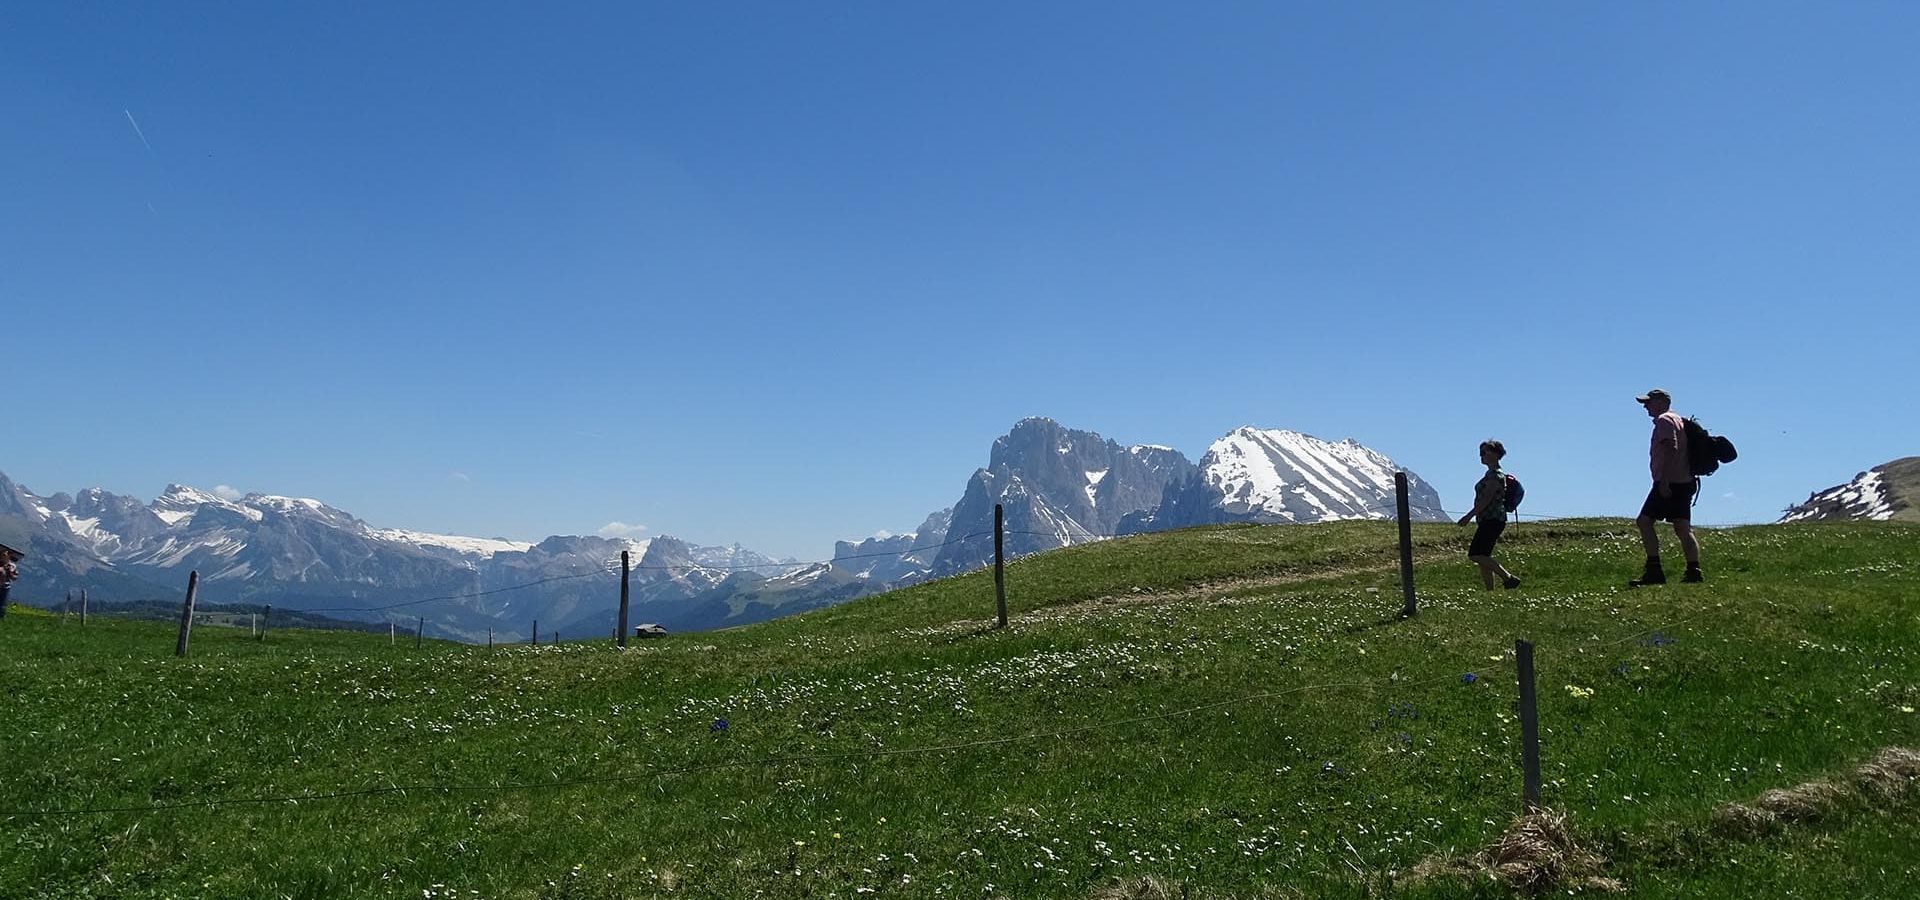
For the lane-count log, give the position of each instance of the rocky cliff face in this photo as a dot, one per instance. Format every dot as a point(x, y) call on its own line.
point(1058, 487)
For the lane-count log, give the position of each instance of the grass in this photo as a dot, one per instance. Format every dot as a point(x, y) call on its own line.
point(1219, 712)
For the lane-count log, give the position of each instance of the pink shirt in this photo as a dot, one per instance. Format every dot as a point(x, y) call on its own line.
point(1668, 457)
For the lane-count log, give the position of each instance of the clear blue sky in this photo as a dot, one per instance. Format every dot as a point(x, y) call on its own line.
point(779, 273)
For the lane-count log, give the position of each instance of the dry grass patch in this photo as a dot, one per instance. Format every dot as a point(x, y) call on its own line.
point(1536, 854)
point(1890, 775)
point(1146, 887)
point(1884, 780)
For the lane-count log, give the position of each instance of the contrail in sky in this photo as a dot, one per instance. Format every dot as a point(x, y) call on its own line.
point(137, 131)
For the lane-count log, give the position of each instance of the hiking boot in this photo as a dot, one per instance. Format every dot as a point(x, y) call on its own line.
point(1511, 582)
point(1654, 574)
point(1693, 576)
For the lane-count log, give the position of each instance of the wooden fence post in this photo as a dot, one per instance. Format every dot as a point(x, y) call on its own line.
point(419, 631)
point(536, 632)
point(83, 606)
point(253, 625)
point(1000, 563)
point(393, 634)
point(1529, 726)
point(265, 615)
point(620, 630)
point(64, 604)
point(1412, 606)
point(186, 614)
point(489, 638)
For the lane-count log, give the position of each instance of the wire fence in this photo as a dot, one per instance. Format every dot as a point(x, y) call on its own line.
point(612, 565)
point(1463, 663)
point(622, 565)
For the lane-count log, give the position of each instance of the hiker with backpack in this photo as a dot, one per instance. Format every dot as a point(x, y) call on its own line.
point(9, 572)
point(1494, 495)
point(1674, 487)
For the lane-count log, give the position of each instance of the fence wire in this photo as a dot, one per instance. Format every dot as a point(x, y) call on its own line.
point(611, 564)
point(800, 758)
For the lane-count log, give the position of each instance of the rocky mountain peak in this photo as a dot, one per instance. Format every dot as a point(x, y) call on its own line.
point(1058, 486)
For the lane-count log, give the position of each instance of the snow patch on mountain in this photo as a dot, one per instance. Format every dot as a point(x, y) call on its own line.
point(1865, 497)
point(466, 546)
point(805, 576)
point(1093, 485)
point(179, 504)
point(1289, 476)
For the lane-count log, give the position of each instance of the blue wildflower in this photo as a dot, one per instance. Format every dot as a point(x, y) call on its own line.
point(1469, 678)
point(718, 725)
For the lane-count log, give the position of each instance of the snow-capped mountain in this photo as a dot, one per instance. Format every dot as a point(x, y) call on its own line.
point(1057, 487)
point(57, 562)
point(895, 558)
point(299, 553)
point(1883, 492)
point(1273, 476)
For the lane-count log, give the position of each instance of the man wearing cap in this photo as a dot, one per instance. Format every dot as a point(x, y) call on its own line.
point(1671, 498)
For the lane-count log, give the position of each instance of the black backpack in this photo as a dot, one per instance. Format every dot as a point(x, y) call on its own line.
point(1706, 452)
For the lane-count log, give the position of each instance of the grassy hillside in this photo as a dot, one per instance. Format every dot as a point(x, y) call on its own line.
point(1219, 712)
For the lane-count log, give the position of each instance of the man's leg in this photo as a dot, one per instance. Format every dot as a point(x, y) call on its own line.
point(1683, 529)
point(1486, 565)
point(1502, 575)
point(1653, 573)
point(1690, 545)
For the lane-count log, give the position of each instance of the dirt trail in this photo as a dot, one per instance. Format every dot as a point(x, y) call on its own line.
point(1208, 592)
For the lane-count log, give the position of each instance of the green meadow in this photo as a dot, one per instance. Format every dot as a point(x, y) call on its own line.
point(1229, 712)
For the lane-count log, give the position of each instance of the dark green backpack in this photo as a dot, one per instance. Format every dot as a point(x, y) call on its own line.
point(1706, 452)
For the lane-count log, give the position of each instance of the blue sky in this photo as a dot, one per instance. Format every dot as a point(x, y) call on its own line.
point(779, 273)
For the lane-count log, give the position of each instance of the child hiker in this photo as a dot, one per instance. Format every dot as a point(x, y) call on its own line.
point(1490, 507)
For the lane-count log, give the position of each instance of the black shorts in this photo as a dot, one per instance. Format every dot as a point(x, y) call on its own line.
point(1485, 536)
point(1677, 506)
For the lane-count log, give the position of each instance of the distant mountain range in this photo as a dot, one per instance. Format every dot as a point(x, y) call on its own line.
point(1057, 487)
point(297, 553)
point(1891, 491)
